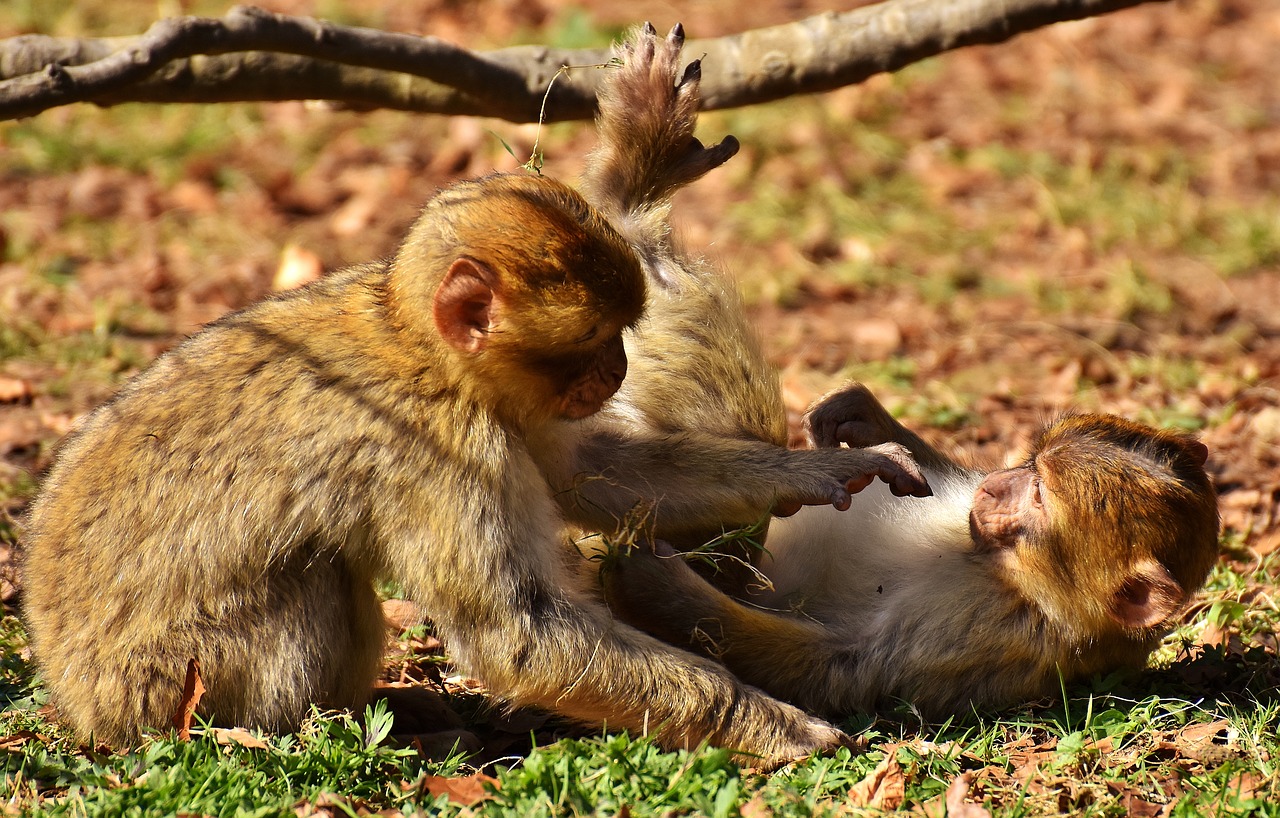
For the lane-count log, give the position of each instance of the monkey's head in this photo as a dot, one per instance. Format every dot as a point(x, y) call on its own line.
point(1108, 524)
point(529, 288)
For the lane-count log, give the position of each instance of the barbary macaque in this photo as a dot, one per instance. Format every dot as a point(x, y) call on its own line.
point(235, 501)
point(1075, 562)
point(698, 429)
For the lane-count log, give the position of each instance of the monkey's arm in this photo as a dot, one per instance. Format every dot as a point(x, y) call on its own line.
point(797, 660)
point(701, 481)
point(533, 639)
point(852, 415)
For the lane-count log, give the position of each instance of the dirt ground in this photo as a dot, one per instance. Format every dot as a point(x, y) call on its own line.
point(1113, 292)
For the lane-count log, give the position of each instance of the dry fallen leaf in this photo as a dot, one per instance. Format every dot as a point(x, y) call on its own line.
point(1266, 543)
point(10, 579)
point(465, 790)
point(192, 690)
point(238, 735)
point(1209, 743)
point(876, 339)
point(329, 805)
point(883, 789)
point(16, 740)
point(357, 213)
point(401, 614)
point(756, 808)
point(298, 266)
point(957, 806)
point(15, 390)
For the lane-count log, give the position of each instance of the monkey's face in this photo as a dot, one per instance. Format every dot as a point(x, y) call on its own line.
point(1016, 520)
point(1008, 505)
point(1109, 524)
point(550, 377)
point(600, 375)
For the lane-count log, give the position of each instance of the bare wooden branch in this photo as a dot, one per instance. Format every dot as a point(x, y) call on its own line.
point(251, 54)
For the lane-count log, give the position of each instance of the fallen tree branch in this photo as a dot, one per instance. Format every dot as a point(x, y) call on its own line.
point(251, 54)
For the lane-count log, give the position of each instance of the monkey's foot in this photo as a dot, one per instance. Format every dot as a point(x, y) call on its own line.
point(651, 100)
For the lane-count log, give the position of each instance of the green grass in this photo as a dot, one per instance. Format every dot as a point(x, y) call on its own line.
point(871, 210)
point(1198, 735)
point(329, 757)
point(834, 189)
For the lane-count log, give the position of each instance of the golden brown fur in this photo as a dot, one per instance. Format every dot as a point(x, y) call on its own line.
point(913, 599)
point(236, 500)
point(697, 431)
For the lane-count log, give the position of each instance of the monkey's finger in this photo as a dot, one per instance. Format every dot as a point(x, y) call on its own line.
point(644, 49)
point(662, 548)
point(857, 745)
point(700, 160)
point(910, 487)
point(692, 74)
point(901, 472)
point(821, 434)
point(676, 37)
point(852, 403)
point(905, 481)
point(859, 483)
point(827, 428)
point(723, 151)
point(841, 499)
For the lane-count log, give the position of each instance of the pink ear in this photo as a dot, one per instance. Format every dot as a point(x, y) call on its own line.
point(1148, 597)
point(463, 307)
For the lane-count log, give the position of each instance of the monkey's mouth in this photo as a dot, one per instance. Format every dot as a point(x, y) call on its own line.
point(584, 402)
point(993, 531)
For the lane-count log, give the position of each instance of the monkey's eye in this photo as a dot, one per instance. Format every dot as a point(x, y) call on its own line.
point(1038, 492)
point(588, 335)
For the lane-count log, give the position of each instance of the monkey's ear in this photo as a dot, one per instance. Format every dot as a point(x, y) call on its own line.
point(464, 305)
point(1148, 597)
point(1197, 450)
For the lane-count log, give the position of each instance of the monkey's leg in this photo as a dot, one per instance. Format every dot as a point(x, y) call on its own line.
point(306, 633)
point(647, 115)
point(797, 660)
point(316, 636)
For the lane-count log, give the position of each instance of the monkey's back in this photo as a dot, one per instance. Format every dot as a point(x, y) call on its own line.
point(199, 510)
point(699, 343)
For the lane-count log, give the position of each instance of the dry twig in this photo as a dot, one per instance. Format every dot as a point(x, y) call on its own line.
point(251, 54)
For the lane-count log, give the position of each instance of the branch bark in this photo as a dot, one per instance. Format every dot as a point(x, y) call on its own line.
point(251, 54)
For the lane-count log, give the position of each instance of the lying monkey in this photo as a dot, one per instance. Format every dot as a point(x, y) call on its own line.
point(1075, 562)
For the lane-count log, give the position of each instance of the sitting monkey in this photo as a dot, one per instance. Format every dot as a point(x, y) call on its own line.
point(429, 419)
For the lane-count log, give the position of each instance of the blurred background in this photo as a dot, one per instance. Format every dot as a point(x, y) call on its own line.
point(1085, 217)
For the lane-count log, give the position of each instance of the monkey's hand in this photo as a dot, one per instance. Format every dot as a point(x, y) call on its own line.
point(845, 472)
point(648, 109)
